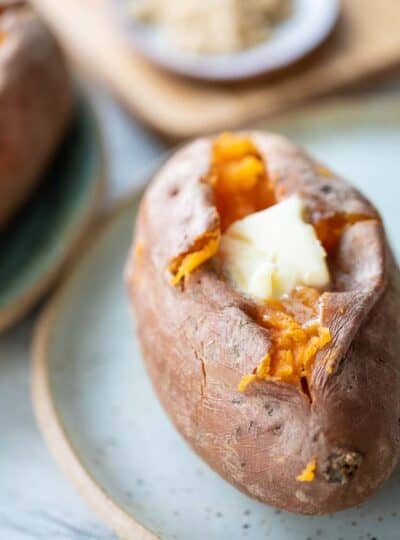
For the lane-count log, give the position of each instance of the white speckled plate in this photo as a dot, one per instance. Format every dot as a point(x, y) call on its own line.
point(98, 412)
point(308, 26)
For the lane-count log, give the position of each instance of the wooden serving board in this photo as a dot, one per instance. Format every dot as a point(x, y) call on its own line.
point(365, 43)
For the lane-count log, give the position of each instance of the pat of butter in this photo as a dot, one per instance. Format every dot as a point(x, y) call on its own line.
point(268, 253)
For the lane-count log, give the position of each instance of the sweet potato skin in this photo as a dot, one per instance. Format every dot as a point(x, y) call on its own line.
point(199, 340)
point(35, 104)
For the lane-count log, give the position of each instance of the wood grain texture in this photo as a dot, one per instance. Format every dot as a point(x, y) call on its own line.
point(365, 42)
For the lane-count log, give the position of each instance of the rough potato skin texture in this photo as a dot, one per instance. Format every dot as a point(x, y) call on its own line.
point(35, 104)
point(198, 341)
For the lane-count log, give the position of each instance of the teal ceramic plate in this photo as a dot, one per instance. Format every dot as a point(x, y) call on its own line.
point(42, 236)
point(96, 407)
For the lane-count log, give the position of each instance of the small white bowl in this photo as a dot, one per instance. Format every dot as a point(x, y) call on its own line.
point(309, 25)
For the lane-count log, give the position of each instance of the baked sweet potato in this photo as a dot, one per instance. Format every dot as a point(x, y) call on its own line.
point(35, 103)
point(305, 417)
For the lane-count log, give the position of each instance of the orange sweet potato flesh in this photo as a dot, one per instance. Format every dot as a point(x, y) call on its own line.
point(308, 473)
point(310, 450)
point(239, 179)
point(295, 340)
point(241, 186)
point(204, 248)
point(330, 229)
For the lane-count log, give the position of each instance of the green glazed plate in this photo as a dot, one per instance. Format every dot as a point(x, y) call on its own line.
point(42, 236)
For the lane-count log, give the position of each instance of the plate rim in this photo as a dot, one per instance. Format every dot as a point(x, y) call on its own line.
point(14, 310)
point(47, 417)
point(48, 420)
point(229, 75)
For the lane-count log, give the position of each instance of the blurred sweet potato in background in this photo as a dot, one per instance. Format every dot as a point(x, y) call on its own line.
point(35, 103)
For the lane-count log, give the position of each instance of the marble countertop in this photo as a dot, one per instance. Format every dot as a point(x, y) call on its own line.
point(36, 500)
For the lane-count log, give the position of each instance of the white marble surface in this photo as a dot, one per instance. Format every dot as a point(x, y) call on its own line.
point(36, 500)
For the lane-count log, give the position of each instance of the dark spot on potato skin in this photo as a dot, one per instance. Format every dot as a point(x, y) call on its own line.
point(269, 409)
point(305, 388)
point(341, 466)
point(173, 192)
point(326, 188)
point(237, 350)
point(277, 430)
